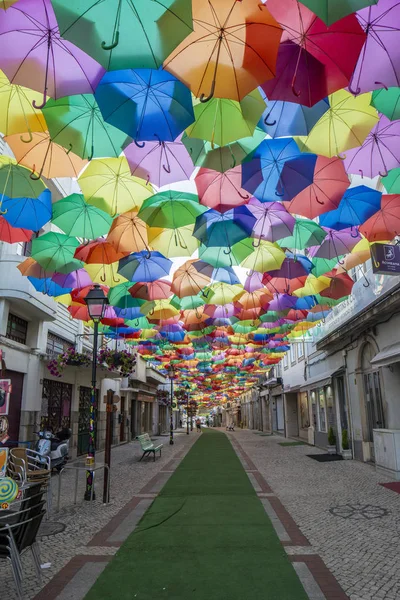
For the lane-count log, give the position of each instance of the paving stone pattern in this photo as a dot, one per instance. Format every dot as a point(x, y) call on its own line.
point(351, 521)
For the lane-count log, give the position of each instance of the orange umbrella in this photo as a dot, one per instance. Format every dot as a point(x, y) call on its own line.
point(187, 281)
point(194, 316)
point(258, 299)
point(45, 157)
point(128, 233)
point(232, 50)
point(30, 268)
point(153, 290)
point(98, 252)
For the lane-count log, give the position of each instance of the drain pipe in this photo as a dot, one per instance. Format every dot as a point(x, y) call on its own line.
point(344, 354)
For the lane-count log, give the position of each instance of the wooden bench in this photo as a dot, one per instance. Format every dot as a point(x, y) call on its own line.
point(147, 446)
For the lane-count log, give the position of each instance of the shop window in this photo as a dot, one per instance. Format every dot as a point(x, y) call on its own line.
point(322, 410)
point(329, 406)
point(304, 416)
point(314, 408)
point(17, 329)
point(56, 344)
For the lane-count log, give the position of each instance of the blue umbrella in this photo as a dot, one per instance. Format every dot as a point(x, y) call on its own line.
point(305, 303)
point(282, 119)
point(48, 286)
point(221, 274)
point(297, 174)
point(146, 104)
point(144, 266)
point(129, 313)
point(28, 213)
point(215, 229)
point(356, 206)
point(303, 260)
point(261, 174)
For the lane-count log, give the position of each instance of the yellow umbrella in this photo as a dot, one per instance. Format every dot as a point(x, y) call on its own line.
point(313, 285)
point(108, 184)
point(173, 242)
point(267, 256)
point(105, 274)
point(64, 299)
point(17, 114)
point(157, 310)
point(345, 125)
point(223, 293)
point(358, 256)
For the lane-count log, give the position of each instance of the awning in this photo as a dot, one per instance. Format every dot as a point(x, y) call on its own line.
point(289, 389)
point(389, 355)
point(318, 381)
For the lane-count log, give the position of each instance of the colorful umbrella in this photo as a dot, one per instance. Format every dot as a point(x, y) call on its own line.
point(215, 229)
point(152, 290)
point(337, 243)
point(340, 285)
point(128, 233)
point(171, 209)
point(267, 257)
point(187, 281)
point(54, 250)
point(231, 51)
point(387, 101)
point(282, 119)
point(75, 279)
point(27, 212)
point(17, 114)
point(34, 54)
point(173, 243)
point(98, 252)
point(146, 104)
point(391, 182)
point(144, 266)
point(103, 273)
point(227, 256)
point(357, 205)
point(75, 217)
point(333, 10)
point(273, 221)
point(221, 191)
point(11, 234)
point(297, 174)
point(125, 35)
point(221, 274)
point(48, 286)
point(384, 225)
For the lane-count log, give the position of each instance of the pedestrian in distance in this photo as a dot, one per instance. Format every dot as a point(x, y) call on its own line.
point(198, 425)
point(180, 423)
point(208, 423)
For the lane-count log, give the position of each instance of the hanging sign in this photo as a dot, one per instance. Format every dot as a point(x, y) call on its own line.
point(385, 259)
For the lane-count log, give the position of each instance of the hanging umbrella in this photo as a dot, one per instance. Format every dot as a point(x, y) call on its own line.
point(152, 290)
point(98, 252)
point(54, 250)
point(282, 119)
point(222, 293)
point(48, 287)
point(125, 35)
point(146, 104)
point(75, 122)
point(45, 157)
point(323, 265)
point(358, 256)
point(221, 191)
point(231, 51)
point(216, 229)
point(379, 62)
point(120, 297)
point(159, 310)
point(221, 274)
point(225, 157)
point(379, 152)
point(357, 205)
point(261, 175)
point(144, 266)
point(283, 285)
point(227, 256)
point(313, 285)
point(253, 281)
point(75, 217)
point(281, 302)
point(106, 274)
point(173, 243)
point(17, 114)
point(187, 281)
point(314, 60)
point(27, 212)
point(297, 174)
point(79, 295)
point(334, 10)
point(128, 233)
point(391, 182)
point(266, 257)
point(75, 279)
point(171, 209)
point(305, 233)
point(292, 267)
point(337, 243)
point(30, 267)
point(222, 121)
point(159, 162)
point(340, 285)
point(384, 225)
point(387, 101)
point(11, 234)
point(345, 125)
point(108, 184)
point(273, 221)
point(325, 192)
point(34, 54)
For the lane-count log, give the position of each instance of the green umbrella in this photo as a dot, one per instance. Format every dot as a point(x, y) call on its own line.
point(272, 316)
point(75, 217)
point(76, 123)
point(119, 296)
point(171, 209)
point(125, 34)
point(139, 323)
point(222, 158)
point(222, 121)
point(15, 180)
point(188, 302)
point(72, 265)
point(333, 10)
point(305, 233)
point(244, 326)
point(227, 257)
point(324, 265)
point(54, 250)
point(387, 101)
point(392, 181)
point(328, 301)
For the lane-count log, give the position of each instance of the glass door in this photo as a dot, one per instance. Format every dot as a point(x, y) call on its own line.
point(374, 407)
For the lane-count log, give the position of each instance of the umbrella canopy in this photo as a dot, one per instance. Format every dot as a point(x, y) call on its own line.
point(75, 217)
point(144, 266)
point(75, 279)
point(282, 119)
point(17, 114)
point(333, 10)
point(215, 229)
point(98, 252)
point(391, 182)
point(128, 233)
point(231, 51)
point(273, 222)
point(357, 205)
point(337, 243)
point(172, 243)
point(221, 274)
point(108, 184)
point(34, 54)
point(340, 285)
point(384, 225)
point(297, 174)
point(146, 104)
point(223, 293)
point(27, 212)
point(75, 122)
point(379, 152)
point(227, 256)
point(221, 191)
point(222, 121)
point(152, 290)
point(345, 125)
point(188, 281)
point(171, 209)
point(11, 234)
point(48, 286)
point(387, 102)
point(54, 250)
point(120, 296)
point(159, 162)
point(125, 35)
point(266, 257)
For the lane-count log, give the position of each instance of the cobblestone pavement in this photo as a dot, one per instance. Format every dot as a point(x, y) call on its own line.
point(83, 520)
point(351, 521)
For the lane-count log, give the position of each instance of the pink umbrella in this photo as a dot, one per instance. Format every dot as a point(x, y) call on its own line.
point(221, 191)
point(217, 311)
point(273, 221)
point(33, 54)
point(161, 163)
point(253, 282)
point(379, 153)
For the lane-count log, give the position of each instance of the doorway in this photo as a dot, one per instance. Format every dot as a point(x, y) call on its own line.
point(375, 418)
point(56, 405)
point(122, 424)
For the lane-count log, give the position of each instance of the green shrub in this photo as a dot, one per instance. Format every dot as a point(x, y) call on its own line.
point(331, 437)
point(345, 439)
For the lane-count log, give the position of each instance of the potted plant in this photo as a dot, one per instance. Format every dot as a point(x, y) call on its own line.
point(121, 361)
point(70, 357)
point(346, 450)
point(331, 441)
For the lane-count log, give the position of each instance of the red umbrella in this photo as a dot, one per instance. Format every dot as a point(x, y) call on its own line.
point(152, 290)
point(326, 191)
point(11, 234)
point(283, 285)
point(385, 224)
point(99, 252)
point(296, 315)
point(79, 294)
point(221, 191)
point(314, 60)
point(340, 286)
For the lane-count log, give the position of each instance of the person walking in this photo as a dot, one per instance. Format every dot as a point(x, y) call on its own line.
point(198, 424)
point(208, 423)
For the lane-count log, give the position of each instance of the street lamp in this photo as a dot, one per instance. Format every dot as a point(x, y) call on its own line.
point(96, 302)
point(171, 373)
point(186, 385)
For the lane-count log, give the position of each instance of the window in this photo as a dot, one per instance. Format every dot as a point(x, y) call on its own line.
point(304, 416)
point(56, 344)
point(285, 361)
point(17, 329)
point(322, 410)
point(300, 350)
point(292, 353)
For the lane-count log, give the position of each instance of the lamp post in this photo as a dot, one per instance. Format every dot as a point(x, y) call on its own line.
point(96, 301)
point(171, 372)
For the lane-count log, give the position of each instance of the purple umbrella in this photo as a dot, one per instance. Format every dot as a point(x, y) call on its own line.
point(337, 243)
point(282, 302)
point(218, 311)
point(273, 221)
point(75, 279)
point(379, 62)
point(379, 153)
point(161, 163)
point(253, 282)
point(33, 54)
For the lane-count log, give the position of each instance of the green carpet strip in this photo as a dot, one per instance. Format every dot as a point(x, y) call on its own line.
point(206, 536)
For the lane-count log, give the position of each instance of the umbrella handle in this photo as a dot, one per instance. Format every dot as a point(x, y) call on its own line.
point(167, 169)
point(319, 201)
point(138, 144)
point(354, 92)
point(39, 106)
point(382, 84)
point(204, 98)
point(256, 245)
point(69, 149)
point(36, 177)
point(342, 157)
point(384, 174)
point(103, 278)
point(113, 44)
point(91, 153)
point(244, 196)
point(3, 212)
point(362, 173)
point(30, 138)
point(227, 251)
point(267, 117)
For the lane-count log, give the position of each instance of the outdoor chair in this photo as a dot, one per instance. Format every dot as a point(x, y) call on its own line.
point(28, 466)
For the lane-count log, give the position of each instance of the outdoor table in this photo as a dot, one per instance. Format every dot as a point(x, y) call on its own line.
point(82, 466)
